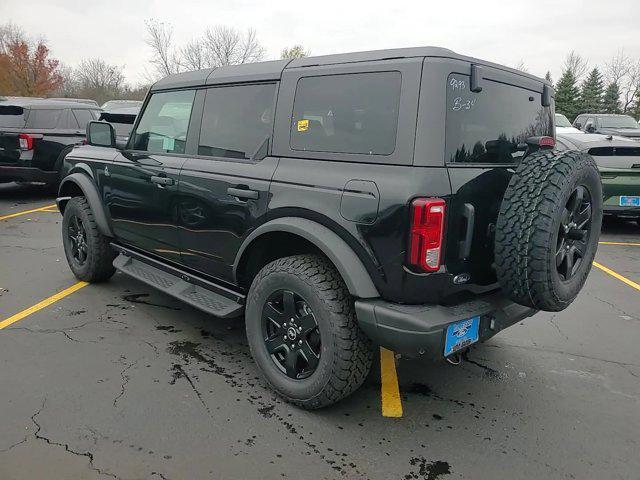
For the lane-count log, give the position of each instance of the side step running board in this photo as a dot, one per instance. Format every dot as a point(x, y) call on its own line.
point(178, 286)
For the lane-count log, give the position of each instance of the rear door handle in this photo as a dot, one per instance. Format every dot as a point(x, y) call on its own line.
point(162, 180)
point(243, 193)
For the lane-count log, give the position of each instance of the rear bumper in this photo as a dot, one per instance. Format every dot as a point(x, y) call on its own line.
point(421, 329)
point(26, 174)
point(615, 210)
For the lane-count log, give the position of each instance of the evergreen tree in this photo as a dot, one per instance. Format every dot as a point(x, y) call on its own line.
point(547, 77)
point(592, 92)
point(611, 99)
point(567, 95)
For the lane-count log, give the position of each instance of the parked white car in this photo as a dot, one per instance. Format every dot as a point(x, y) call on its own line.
point(563, 125)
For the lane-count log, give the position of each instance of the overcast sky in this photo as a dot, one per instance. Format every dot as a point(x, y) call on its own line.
point(540, 32)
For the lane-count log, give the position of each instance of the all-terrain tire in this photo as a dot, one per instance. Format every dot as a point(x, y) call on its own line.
point(346, 353)
point(527, 238)
point(98, 265)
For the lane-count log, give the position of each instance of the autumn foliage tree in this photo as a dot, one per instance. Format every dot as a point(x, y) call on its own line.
point(25, 67)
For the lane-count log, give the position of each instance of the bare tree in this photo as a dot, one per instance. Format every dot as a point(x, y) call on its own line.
point(575, 64)
point(165, 60)
point(193, 56)
point(625, 72)
point(297, 51)
point(220, 45)
point(228, 46)
point(522, 67)
point(96, 73)
point(10, 33)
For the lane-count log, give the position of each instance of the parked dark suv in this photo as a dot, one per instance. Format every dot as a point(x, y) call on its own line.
point(608, 124)
point(405, 198)
point(36, 134)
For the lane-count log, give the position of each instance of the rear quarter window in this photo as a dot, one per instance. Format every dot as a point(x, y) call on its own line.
point(487, 127)
point(12, 116)
point(348, 113)
point(44, 118)
point(83, 117)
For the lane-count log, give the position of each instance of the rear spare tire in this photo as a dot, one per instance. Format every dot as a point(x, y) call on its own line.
point(548, 228)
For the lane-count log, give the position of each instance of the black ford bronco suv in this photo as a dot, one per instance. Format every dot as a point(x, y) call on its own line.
point(405, 198)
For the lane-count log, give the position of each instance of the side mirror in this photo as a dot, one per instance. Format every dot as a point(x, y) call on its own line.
point(578, 125)
point(101, 134)
point(590, 127)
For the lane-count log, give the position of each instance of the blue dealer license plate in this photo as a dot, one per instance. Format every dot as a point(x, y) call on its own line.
point(626, 201)
point(461, 334)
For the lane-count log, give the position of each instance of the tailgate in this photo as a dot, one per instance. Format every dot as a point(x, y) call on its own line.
point(485, 132)
point(12, 120)
point(9, 147)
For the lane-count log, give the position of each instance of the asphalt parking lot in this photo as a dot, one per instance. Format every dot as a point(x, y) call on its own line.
point(119, 381)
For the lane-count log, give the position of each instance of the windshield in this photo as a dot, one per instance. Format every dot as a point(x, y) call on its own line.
point(622, 121)
point(562, 121)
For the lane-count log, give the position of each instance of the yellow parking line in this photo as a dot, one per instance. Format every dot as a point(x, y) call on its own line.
point(620, 243)
point(631, 283)
point(39, 306)
point(391, 403)
point(17, 214)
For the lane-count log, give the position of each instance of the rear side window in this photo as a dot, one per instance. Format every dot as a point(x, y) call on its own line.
point(164, 123)
point(488, 127)
point(45, 118)
point(236, 120)
point(352, 113)
point(83, 117)
point(12, 116)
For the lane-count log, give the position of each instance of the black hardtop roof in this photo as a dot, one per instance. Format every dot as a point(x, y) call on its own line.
point(272, 70)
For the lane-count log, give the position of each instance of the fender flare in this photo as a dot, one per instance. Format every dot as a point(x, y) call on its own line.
point(349, 266)
point(90, 192)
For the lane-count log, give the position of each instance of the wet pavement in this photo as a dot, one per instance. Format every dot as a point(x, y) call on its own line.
point(119, 381)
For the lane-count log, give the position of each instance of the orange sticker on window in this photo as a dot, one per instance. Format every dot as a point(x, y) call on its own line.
point(303, 125)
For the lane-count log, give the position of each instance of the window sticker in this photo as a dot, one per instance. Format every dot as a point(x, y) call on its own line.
point(303, 125)
point(168, 143)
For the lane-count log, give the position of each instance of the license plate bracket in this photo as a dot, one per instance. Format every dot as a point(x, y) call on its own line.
point(460, 335)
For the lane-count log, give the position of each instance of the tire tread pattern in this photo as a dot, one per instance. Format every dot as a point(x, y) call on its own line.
point(101, 255)
point(524, 230)
point(353, 354)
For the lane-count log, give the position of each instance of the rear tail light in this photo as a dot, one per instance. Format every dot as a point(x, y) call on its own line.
point(26, 141)
point(426, 234)
point(547, 142)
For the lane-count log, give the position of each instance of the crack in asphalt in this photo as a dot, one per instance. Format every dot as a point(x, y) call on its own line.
point(161, 475)
point(153, 347)
point(560, 332)
point(613, 306)
point(560, 352)
point(4, 450)
point(66, 446)
point(125, 381)
point(179, 372)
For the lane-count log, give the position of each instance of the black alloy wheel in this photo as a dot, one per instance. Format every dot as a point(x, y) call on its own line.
point(78, 237)
point(573, 234)
point(291, 334)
